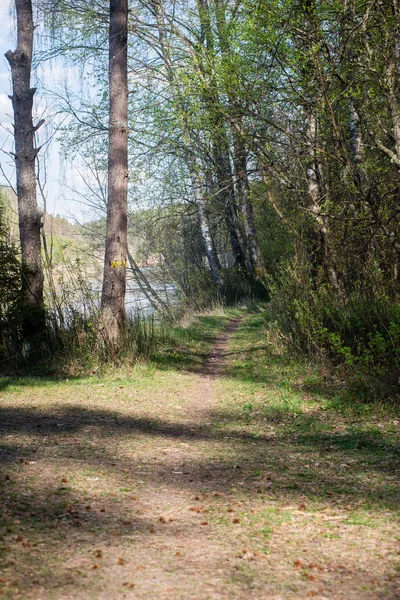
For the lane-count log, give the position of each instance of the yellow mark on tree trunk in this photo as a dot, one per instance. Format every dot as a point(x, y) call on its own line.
point(118, 263)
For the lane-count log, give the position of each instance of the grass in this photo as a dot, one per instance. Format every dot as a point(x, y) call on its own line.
point(266, 392)
point(152, 480)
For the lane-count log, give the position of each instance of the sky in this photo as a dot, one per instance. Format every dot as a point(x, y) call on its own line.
point(60, 200)
point(5, 103)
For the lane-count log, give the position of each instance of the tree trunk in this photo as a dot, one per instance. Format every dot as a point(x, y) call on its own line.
point(226, 192)
point(394, 105)
point(114, 277)
point(257, 266)
point(190, 157)
point(355, 136)
point(33, 315)
point(211, 254)
point(315, 195)
point(220, 142)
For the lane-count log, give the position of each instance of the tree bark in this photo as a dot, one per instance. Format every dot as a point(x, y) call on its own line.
point(33, 314)
point(220, 142)
point(114, 277)
point(257, 266)
point(226, 191)
point(315, 204)
point(256, 263)
point(190, 157)
point(212, 256)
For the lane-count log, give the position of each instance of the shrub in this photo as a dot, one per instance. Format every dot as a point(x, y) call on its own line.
point(10, 283)
point(360, 330)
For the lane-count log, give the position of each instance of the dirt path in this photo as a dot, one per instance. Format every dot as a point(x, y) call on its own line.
point(150, 488)
point(204, 396)
point(140, 528)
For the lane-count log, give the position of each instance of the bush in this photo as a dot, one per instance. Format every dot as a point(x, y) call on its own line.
point(360, 330)
point(10, 284)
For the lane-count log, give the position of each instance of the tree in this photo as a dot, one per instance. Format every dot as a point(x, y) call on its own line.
point(189, 151)
point(10, 273)
point(32, 309)
point(114, 275)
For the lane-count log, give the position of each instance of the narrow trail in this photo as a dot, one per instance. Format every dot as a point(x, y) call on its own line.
point(185, 557)
point(204, 396)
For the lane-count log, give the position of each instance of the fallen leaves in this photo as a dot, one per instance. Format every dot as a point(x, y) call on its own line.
point(164, 520)
point(198, 509)
point(221, 538)
point(313, 593)
point(316, 566)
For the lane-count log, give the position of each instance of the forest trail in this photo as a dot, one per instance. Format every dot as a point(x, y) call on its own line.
point(204, 396)
point(205, 483)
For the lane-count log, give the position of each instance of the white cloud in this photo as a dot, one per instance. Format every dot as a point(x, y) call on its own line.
point(5, 108)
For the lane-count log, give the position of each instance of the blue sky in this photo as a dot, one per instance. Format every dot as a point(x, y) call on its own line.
point(6, 43)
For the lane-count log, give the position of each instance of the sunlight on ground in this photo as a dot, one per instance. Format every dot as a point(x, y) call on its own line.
point(112, 487)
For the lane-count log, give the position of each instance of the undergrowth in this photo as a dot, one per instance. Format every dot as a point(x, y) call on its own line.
point(356, 333)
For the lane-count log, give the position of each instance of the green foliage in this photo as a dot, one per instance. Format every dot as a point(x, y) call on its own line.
point(360, 331)
point(301, 98)
point(10, 274)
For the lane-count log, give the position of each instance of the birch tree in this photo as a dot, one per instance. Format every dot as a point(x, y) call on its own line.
point(189, 146)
